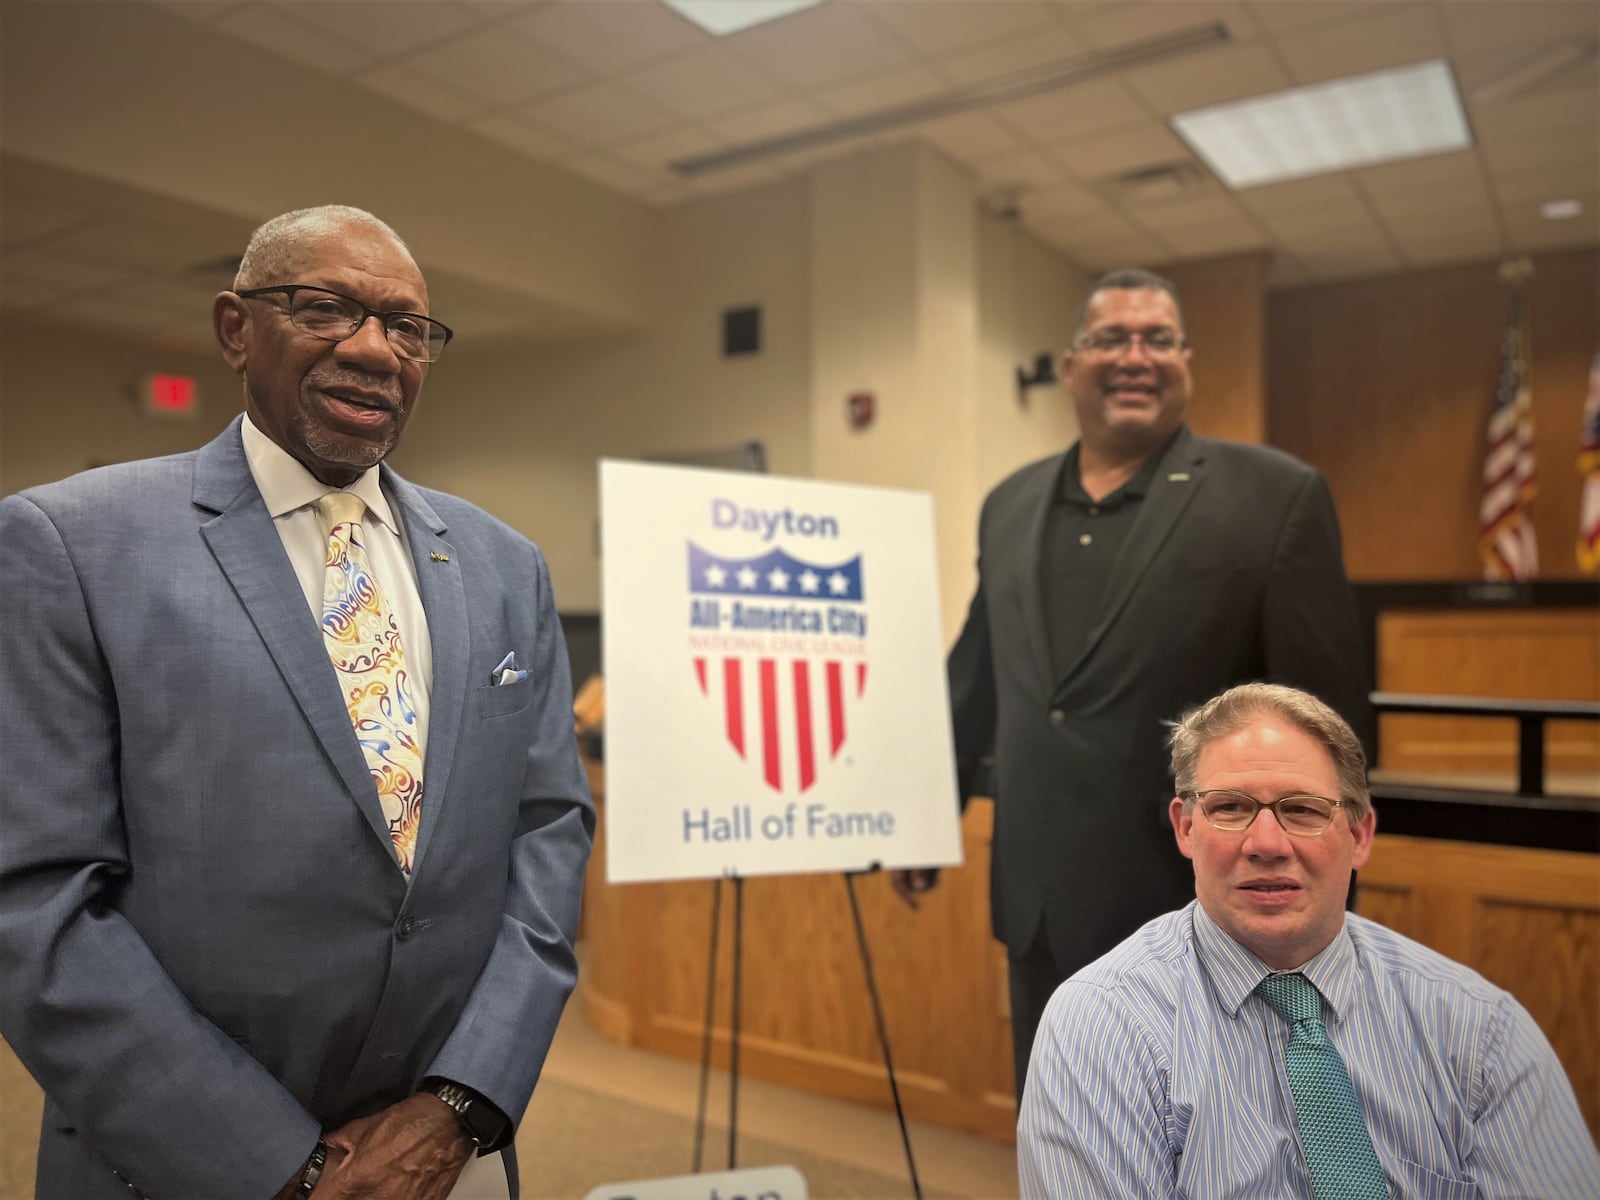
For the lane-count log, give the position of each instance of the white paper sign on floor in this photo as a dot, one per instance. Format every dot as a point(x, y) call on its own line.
point(775, 685)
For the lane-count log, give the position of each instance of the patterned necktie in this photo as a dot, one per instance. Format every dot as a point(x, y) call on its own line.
point(1339, 1154)
point(362, 639)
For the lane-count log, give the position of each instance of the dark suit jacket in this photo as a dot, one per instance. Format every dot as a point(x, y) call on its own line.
point(1231, 572)
point(207, 950)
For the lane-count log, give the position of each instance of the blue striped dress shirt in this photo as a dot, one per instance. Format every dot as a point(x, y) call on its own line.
point(1158, 1073)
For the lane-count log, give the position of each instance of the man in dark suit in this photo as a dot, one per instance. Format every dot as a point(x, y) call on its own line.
point(1141, 572)
point(294, 822)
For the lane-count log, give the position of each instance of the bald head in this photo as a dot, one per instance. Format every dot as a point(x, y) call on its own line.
point(272, 247)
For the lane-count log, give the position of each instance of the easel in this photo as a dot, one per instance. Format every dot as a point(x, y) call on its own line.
point(734, 1022)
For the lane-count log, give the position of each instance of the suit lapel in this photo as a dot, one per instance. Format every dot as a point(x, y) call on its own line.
point(444, 599)
point(1177, 479)
point(250, 553)
point(1032, 549)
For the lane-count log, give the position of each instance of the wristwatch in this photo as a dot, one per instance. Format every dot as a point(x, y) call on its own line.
point(480, 1120)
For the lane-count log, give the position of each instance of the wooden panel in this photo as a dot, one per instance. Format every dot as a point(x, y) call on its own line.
point(1542, 654)
point(806, 1018)
point(1528, 920)
point(1385, 385)
point(1224, 314)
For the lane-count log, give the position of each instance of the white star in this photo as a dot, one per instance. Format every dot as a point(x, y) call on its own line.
point(747, 577)
point(778, 579)
point(809, 580)
point(838, 584)
point(715, 576)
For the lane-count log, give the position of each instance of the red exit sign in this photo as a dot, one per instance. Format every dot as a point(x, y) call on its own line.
point(169, 395)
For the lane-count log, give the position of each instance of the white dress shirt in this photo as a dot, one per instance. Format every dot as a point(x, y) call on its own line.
point(291, 493)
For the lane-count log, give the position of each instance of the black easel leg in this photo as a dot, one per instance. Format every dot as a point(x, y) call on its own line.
point(733, 1048)
point(883, 1033)
point(711, 1013)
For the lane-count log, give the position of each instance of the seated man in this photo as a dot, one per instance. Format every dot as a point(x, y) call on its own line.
point(1262, 1042)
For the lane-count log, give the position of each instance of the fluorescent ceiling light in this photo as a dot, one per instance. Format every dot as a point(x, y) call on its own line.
point(722, 17)
point(1559, 210)
point(1401, 113)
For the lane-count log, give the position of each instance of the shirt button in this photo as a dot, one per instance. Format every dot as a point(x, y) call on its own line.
point(1094, 510)
point(1057, 717)
point(1085, 538)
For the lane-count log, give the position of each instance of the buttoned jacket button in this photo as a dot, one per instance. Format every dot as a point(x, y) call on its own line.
point(405, 928)
point(1057, 717)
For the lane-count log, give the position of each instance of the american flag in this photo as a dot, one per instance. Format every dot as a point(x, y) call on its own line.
point(1589, 466)
point(1506, 538)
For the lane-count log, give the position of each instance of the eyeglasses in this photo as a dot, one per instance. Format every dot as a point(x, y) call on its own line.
point(1301, 815)
point(335, 317)
point(1157, 343)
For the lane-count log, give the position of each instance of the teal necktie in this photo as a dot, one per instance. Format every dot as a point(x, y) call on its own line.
point(1339, 1154)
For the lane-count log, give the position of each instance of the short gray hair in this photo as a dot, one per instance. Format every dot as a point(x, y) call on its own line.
point(1237, 707)
point(1130, 279)
point(271, 246)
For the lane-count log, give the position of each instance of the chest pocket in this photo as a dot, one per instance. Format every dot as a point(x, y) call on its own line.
point(1416, 1182)
point(506, 699)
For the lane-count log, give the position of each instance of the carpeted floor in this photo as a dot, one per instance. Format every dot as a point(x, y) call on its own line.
point(573, 1139)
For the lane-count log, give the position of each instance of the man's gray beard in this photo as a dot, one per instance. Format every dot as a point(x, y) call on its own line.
point(361, 455)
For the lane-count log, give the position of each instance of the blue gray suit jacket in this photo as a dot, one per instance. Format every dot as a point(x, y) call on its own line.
point(208, 952)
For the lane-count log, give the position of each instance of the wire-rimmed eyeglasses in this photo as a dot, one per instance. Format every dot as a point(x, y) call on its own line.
point(1299, 813)
point(1157, 343)
point(335, 317)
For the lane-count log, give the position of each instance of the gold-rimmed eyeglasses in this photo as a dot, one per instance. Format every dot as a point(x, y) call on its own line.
point(334, 317)
point(1299, 813)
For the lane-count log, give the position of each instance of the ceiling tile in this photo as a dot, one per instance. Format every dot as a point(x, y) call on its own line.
point(1542, 153)
point(705, 82)
point(605, 170)
point(1212, 76)
point(659, 150)
point(1022, 169)
point(608, 37)
point(954, 26)
point(1216, 210)
point(1061, 200)
point(1148, 143)
point(132, 244)
point(820, 46)
point(735, 179)
point(389, 30)
point(419, 93)
point(1535, 233)
point(1317, 193)
point(497, 66)
point(1574, 106)
point(273, 28)
point(1207, 241)
point(597, 114)
point(1102, 242)
point(1347, 226)
point(1531, 189)
point(1436, 181)
point(1071, 112)
point(1474, 218)
point(1439, 250)
point(892, 89)
point(199, 10)
point(1117, 24)
point(970, 137)
point(1276, 17)
point(1395, 32)
point(769, 121)
point(189, 301)
point(107, 312)
point(524, 136)
point(1480, 26)
point(1013, 55)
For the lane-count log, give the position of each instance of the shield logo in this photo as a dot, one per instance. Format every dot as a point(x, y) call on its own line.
point(788, 666)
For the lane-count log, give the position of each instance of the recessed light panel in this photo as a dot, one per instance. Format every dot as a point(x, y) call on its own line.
point(722, 17)
point(1383, 116)
point(1560, 210)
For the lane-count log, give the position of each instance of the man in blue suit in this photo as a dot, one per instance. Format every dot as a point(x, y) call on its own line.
point(248, 947)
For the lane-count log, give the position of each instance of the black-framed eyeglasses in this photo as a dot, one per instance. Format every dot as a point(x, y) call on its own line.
point(335, 316)
point(1299, 813)
point(1158, 343)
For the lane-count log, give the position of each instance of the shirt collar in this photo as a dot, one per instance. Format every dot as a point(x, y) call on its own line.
point(1071, 490)
point(286, 485)
point(1235, 972)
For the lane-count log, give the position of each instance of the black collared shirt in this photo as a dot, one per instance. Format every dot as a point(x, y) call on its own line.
point(1082, 538)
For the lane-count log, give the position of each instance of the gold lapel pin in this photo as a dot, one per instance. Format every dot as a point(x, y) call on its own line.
point(437, 557)
point(1178, 477)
